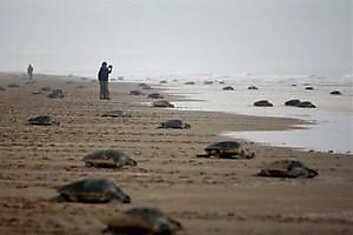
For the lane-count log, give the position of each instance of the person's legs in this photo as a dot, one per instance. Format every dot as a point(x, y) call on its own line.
point(107, 95)
point(101, 92)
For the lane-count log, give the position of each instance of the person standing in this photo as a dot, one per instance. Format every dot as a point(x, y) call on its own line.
point(30, 71)
point(103, 77)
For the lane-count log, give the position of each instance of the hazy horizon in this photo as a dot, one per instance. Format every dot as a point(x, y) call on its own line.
point(165, 36)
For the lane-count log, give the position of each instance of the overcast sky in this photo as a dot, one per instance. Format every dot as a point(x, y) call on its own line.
point(178, 36)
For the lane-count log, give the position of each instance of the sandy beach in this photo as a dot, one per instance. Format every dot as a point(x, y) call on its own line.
point(208, 196)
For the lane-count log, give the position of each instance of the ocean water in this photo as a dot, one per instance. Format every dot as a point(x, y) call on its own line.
point(331, 123)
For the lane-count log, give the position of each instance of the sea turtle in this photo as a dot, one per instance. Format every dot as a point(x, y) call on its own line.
point(306, 104)
point(252, 88)
point(263, 103)
point(287, 168)
point(155, 96)
point(143, 221)
point(56, 94)
point(162, 104)
point(309, 88)
point(174, 123)
point(136, 92)
point(163, 82)
point(335, 92)
point(292, 102)
point(91, 190)
point(228, 88)
point(208, 82)
point(189, 83)
point(109, 158)
point(116, 113)
point(42, 120)
point(227, 149)
point(144, 86)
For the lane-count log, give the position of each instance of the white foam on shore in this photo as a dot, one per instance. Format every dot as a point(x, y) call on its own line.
point(333, 129)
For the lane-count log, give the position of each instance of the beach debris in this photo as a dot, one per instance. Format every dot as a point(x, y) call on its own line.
point(162, 104)
point(91, 190)
point(292, 102)
point(2, 88)
point(189, 83)
point(252, 88)
point(335, 92)
point(136, 92)
point(13, 85)
point(83, 78)
point(287, 168)
point(121, 78)
point(221, 82)
point(263, 103)
point(56, 94)
point(310, 88)
point(227, 149)
point(208, 82)
point(116, 113)
point(228, 88)
point(42, 120)
point(145, 86)
point(155, 96)
point(142, 220)
point(175, 124)
point(70, 82)
point(306, 104)
point(163, 82)
point(109, 158)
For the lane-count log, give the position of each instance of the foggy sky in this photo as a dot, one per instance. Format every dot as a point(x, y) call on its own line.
point(178, 36)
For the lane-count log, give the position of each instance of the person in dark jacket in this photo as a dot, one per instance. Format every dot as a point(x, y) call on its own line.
point(30, 71)
point(103, 77)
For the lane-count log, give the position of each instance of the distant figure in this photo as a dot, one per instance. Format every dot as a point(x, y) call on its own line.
point(30, 71)
point(103, 76)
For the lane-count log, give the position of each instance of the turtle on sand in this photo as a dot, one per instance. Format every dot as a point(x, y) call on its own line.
point(42, 120)
point(144, 86)
point(306, 104)
point(228, 88)
point(175, 123)
point(136, 92)
point(252, 88)
point(155, 96)
point(335, 92)
point(143, 221)
point(287, 168)
point(109, 158)
point(116, 113)
point(292, 102)
point(162, 104)
point(56, 94)
point(263, 103)
point(91, 190)
point(227, 149)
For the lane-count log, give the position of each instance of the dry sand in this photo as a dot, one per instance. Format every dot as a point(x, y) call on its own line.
point(207, 196)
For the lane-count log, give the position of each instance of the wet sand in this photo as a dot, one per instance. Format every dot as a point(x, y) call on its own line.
point(208, 196)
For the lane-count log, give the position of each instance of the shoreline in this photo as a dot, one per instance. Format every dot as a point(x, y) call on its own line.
point(208, 196)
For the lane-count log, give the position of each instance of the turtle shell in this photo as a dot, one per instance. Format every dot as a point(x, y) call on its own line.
point(162, 104)
point(143, 221)
point(109, 158)
point(228, 149)
point(94, 190)
point(116, 113)
point(174, 123)
point(42, 120)
point(287, 168)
